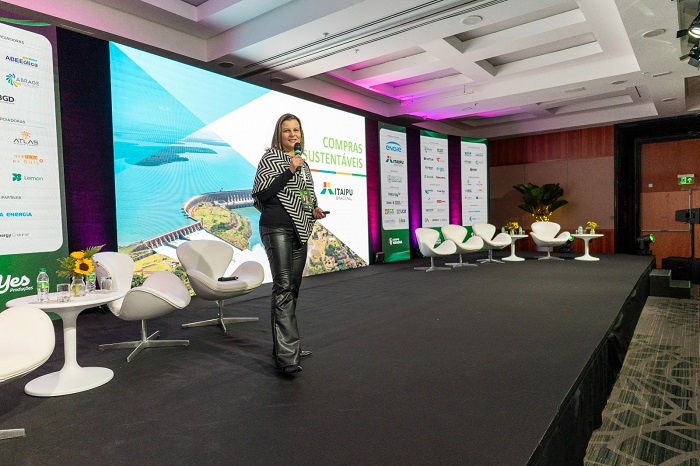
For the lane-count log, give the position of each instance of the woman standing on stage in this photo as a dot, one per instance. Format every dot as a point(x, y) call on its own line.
point(284, 194)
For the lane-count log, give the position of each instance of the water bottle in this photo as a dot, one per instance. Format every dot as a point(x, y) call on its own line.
point(42, 286)
point(91, 283)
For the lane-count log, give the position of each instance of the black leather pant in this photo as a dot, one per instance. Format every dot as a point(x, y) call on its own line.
point(287, 258)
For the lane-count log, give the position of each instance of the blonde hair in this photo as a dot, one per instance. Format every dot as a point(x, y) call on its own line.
point(277, 135)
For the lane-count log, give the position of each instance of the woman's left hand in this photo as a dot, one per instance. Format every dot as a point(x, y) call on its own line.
point(318, 213)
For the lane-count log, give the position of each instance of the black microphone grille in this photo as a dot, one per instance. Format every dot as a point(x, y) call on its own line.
point(297, 148)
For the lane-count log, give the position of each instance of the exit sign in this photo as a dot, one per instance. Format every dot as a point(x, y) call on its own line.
point(686, 179)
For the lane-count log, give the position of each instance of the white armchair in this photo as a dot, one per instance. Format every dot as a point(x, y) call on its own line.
point(486, 232)
point(205, 261)
point(27, 339)
point(162, 293)
point(547, 235)
point(427, 237)
point(458, 235)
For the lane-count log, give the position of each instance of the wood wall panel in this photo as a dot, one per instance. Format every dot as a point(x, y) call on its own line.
point(575, 144)
point(658, 210)
point(670, 244)
point(589, 186)
point(662, 163)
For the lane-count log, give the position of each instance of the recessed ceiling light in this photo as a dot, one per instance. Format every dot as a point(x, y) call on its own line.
point(668, 99)
point(471, 20)
point(663, 73)
point(654, 33)
point(619, 81)
point(575, 89)
point(226, 64)
point(276, 80)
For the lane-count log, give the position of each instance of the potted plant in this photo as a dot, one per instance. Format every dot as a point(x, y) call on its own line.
point(541, 201)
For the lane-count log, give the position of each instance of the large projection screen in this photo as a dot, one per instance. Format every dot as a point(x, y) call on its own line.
point(186, 146)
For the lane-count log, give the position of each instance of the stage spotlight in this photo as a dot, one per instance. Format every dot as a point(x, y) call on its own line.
point(566, 247)
point(643, 243)
point(694, 28)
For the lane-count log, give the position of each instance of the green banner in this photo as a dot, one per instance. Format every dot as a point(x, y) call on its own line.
point(396, 245)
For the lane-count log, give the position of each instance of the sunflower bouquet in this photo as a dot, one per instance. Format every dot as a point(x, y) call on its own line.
point(512, 226)
point(78, 263)
point(591, 225)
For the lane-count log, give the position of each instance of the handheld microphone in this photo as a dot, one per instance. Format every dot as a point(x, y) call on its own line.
point(297, 151)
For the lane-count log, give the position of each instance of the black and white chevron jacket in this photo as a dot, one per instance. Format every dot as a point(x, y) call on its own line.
point(271, 165)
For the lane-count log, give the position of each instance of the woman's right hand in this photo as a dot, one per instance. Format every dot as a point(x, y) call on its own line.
point(296, 162)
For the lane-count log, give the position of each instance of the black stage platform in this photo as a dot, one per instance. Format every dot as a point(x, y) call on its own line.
point(504, 364)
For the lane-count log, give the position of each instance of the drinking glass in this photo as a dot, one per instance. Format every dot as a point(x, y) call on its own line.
point(106, 284)
point(63, 290)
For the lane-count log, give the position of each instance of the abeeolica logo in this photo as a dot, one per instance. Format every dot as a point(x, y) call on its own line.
point(29, 61)
point(13, 284)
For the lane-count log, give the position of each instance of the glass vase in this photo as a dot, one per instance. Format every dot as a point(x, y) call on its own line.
point(77, 286)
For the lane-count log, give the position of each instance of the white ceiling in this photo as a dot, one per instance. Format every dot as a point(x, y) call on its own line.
point(478, 68)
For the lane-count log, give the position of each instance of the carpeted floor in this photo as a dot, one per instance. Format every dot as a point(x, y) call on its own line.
point(468, 366)
point(652, 415)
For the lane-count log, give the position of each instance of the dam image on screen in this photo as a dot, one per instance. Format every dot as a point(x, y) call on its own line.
point(187, 143)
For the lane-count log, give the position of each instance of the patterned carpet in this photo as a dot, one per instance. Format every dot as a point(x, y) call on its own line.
point(652, 414)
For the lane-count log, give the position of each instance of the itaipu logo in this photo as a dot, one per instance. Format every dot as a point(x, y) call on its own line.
point(393, 161)
point(341, 194)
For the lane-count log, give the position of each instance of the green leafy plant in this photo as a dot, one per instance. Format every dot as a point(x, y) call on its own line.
point(541, 201)
point(78, 263)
